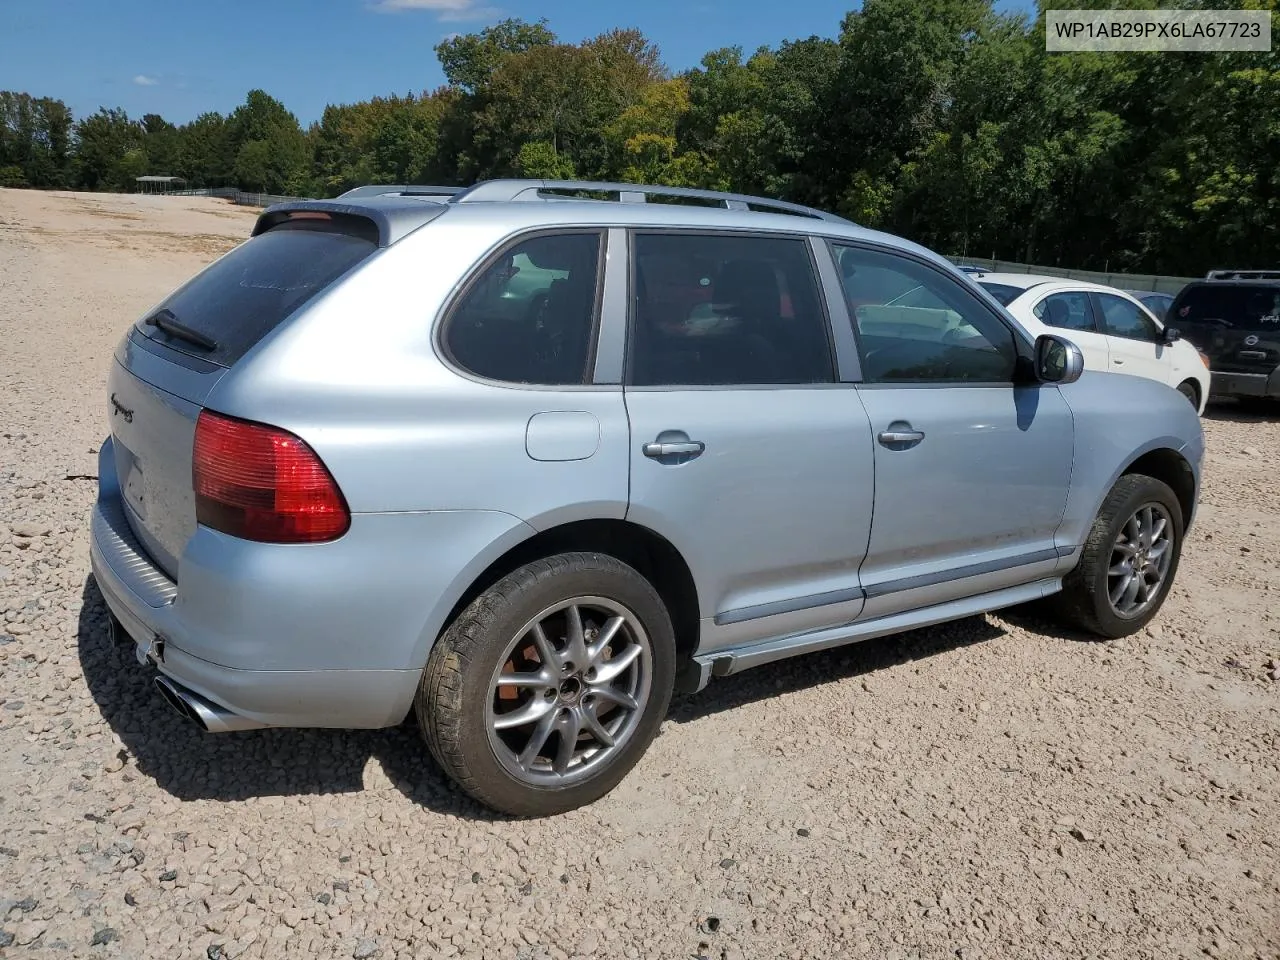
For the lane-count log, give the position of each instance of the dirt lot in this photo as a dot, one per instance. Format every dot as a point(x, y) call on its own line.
point(992, 788)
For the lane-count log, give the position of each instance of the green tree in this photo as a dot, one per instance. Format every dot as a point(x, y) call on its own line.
point(470, 60)
point(539, 160)
point(35, 138)
point(102, 141)
point(205, 156)
point(271, 151)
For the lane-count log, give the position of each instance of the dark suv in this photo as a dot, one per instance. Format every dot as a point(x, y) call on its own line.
point(1233, 316)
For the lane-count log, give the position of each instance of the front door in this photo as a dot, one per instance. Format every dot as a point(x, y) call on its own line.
point(1134, 339)
point(971, 470)
point(746, 454)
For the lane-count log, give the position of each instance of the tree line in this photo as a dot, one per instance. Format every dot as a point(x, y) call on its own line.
point(941, 120)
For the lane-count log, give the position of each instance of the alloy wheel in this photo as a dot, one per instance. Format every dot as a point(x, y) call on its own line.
point(569, 691)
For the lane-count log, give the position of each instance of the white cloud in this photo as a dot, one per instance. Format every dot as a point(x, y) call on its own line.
point(143, 80)
point(447, 10)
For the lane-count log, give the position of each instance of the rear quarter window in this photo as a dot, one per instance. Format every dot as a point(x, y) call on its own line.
point(1251, 307)
point(1003, 293)
point(239, 299)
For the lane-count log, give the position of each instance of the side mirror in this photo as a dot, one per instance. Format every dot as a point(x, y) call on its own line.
point(1171, 336)
point(1058, 360)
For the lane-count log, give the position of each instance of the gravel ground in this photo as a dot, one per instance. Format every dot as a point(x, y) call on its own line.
point(992, 788)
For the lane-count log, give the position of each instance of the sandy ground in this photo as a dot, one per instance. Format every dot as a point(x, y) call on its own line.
point(993, 788)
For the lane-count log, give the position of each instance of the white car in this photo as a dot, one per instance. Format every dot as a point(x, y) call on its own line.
point(1114, 331)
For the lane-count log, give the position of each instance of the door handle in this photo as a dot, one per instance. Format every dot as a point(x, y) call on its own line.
point(673, 448)
point(1118, 363)
point(900, 434)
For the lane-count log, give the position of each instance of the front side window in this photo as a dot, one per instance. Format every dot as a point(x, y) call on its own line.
point(1069, 311)
point(530, 315)
point(1122, 318)
point(724, 310)
point(917, 325)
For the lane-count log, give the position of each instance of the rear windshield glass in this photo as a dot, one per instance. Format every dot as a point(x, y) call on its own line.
point(235, 302)
point(1002, 292)
point(1231, 307)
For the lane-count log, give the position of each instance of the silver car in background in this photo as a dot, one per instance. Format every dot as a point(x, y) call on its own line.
point(526, 463)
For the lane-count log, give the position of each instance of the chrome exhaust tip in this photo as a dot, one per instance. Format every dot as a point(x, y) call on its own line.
point(205, 714)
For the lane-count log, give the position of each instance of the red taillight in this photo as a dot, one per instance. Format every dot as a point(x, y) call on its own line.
point(261, 483)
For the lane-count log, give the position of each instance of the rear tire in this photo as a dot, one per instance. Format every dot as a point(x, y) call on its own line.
point(545, 692)
point(1129, 561)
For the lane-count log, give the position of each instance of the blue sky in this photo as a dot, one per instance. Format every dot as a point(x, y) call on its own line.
point(182, 58)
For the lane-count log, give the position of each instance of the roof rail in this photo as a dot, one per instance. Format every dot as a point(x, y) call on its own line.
point(399, 189)
point(1243, 275)
point(507, 190)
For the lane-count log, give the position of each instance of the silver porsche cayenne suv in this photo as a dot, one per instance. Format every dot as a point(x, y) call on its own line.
point(525, 458)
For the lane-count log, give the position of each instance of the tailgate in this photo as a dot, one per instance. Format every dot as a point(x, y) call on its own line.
point(152, 408)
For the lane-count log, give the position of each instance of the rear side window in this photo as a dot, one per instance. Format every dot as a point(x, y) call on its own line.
point(1069, 310)
point(226, 309)
point(1254, 308)
point(726, 310)
point(529, 317)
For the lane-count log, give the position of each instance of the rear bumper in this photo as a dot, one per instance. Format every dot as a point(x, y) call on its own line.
point(314, 635)
point(350, 698)
point(1229, 384)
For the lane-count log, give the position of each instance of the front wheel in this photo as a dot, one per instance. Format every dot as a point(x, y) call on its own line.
point(1188, 390)
point(549, 687)
point(1129, 561)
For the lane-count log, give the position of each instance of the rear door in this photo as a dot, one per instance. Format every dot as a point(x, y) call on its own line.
point(1134, 339)
point(172, 359)
point(1072, 311)
point(747, 454)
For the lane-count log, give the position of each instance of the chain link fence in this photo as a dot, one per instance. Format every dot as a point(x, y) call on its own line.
point(1123, 281)
point(237, 196)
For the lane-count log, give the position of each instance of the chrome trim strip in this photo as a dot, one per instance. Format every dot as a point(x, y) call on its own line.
point(960, 573)
point(792, 605)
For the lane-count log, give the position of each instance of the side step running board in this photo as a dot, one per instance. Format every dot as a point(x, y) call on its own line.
point(723, 663)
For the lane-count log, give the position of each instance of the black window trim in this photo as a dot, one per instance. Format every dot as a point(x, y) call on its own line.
point(1095, 296)
point(447, 312)
point(1023, 344)
point(1094, 317)
point(633, 231)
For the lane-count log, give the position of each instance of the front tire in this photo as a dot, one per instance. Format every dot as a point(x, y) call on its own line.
point(1190, 391)
point(1129, 561)
point(545, 692)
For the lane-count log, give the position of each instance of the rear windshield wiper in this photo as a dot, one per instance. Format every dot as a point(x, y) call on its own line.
point(165, 320)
